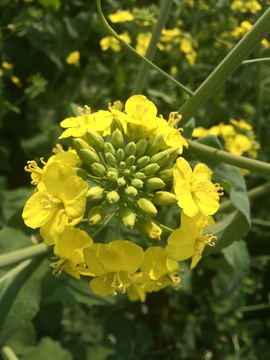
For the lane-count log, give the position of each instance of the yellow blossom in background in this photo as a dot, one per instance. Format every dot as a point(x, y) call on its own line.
point(121, 16)
point(194, 190)
point(168, 35)
point(59, 201)
point(16, 80)
point(113, 264)
point(69, 251)
point(109, 42)
point(252, 5)
point(73, 58)
point(189, 240)
point(238, 144)
point(143, 40)
point(6, 65)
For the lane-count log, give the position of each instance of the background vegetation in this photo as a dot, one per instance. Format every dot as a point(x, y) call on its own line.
point(222, 308)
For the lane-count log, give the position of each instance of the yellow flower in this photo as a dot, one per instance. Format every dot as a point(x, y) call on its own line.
point(149, 228)
point(16, 80)
point(161, 270)
point(73, 58)
point(114, 265)
point(109, 42)
point(59, 201)
point(76, 126)
point(242, 124)
point(238, 145)
point(188, 240)
point(194, 190)
point(69, 250)
point(121, 16)
point(169, 34)
point(143, 40)
point(6, 65)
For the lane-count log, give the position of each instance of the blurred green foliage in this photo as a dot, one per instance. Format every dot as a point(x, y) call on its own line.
point(222, 310)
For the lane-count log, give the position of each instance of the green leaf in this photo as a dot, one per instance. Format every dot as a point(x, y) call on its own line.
point(231, 228)
point(50, 4)
point(48, 349)
point(14, 200)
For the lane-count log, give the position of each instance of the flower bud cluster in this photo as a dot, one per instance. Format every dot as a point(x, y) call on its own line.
point(131, 171)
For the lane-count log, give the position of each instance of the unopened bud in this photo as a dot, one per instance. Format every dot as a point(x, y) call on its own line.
point(110, 158)
point(166, 175)
point(121, 182)
point(130, 149)
point(150, 169)
point(134, 132)
point(139, 175)
point(96, 215)
point(128, 217)
point(117, 139)
point(147, 207)
point(154, 183)
point(164, 198)
point(112, 197)
point(108, 148)
point(112, 176)
point(117, 125)
point(130, 161)
point(80, 144)
point(99, 169)
point(154, 144)
point(141, 147)
point(88, 156)
point(80, 172)
point(173, 153)
point(143, 161)
point(149, 228)
point(95, 140)
point(95, 193)
point(120, 155)
point(137, 183)
point(160, 158)
point(131, 191)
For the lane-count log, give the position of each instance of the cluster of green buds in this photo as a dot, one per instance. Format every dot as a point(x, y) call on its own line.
point(132, 174)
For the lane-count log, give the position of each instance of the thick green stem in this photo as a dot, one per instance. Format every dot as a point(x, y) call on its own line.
point(22, 254)
point(130, 48)
point(221, 73)
point(8, 353)
point(209, 152)
point(141, 77)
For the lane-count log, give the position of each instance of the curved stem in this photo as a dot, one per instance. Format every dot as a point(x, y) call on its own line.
point(117, 37)
point(252, 61)
point(229, 64)
point(209, 152)
point(23, 254)
point(141, 77)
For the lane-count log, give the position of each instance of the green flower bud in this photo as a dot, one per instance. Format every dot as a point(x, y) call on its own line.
point(164, 198)
point(150, 169)
point(134, 132)
point(147, 207)
point(108, 148)
point(137, 183)
point(132, 168)
point(95, 193)
point(112, 197)
point(130, 161)
point(143, 161)
point(154, 183)
point(131, 191)
point(149, 228)
point(173, 153)
point(96, 215)
point(122, 165)
point(130, 149)
point(116, 125)
point(112, 176)
point(88, 156)
point(110, 158)
point(117, 139)
point(166, 175)
point(120, 155)
point(160, 158)
point(126, 172)
point(95, 140)
point(154, 144)
point(80, 144)
point(139, 175)
point(128, 217)
point(121, 182)
point(80, 172)
point(99, 169)
point(141, 147)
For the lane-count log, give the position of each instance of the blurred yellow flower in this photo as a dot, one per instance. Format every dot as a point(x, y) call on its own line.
point(121, 16)
point(16, 80)
point(109, 42)
point(73, 58)
point(143, 40)
point(6, 65)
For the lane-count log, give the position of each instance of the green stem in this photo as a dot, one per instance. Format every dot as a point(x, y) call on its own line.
point(252, 61)
point(23, 254)
point(130, 48)
point(141, 77)
point(231, 62)
point(252, 194)
point(256, 307)
point(209, 152)
point(8, 354)
point(164, 227)
point(106, 222)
